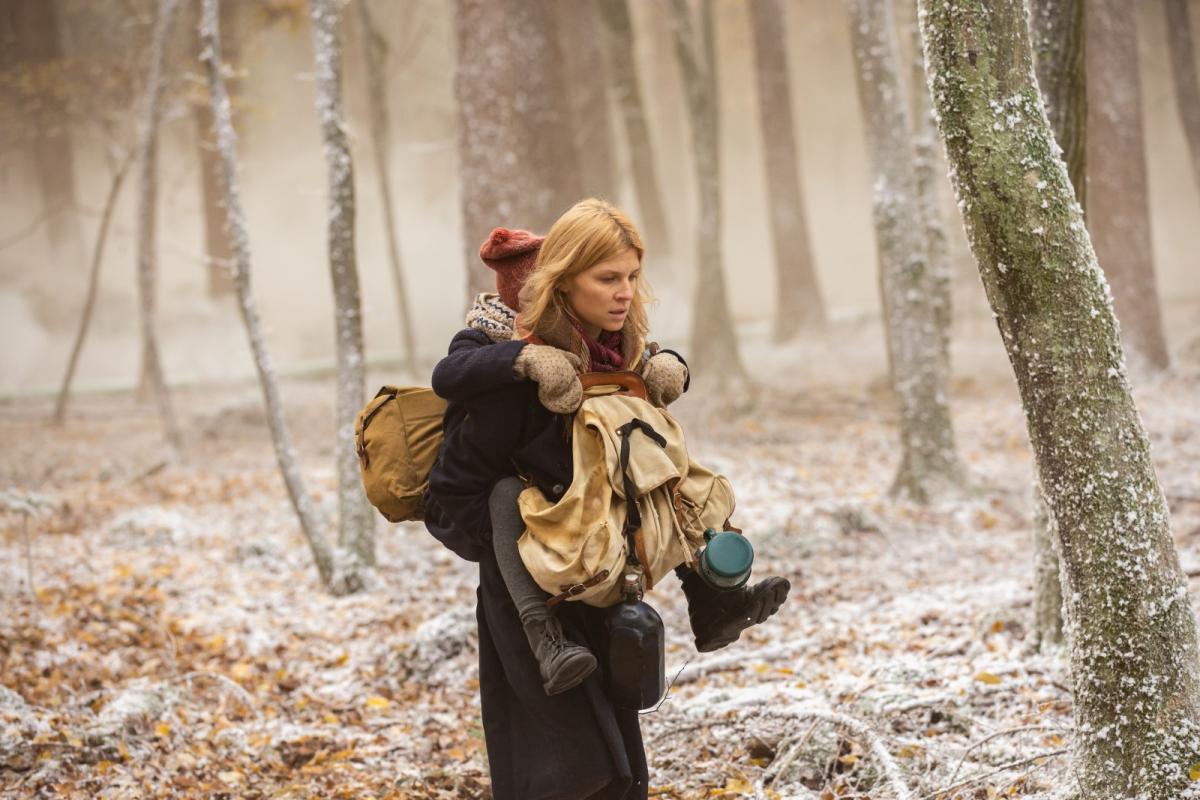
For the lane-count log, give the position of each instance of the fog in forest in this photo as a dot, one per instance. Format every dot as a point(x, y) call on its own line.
point(282, 171)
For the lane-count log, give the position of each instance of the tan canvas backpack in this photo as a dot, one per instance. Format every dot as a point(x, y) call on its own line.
point(574, 547)
point(397, 436)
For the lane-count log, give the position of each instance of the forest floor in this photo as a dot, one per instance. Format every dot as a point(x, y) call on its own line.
point(176, 641)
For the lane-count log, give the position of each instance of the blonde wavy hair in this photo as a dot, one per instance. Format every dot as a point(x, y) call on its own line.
point(589, 232)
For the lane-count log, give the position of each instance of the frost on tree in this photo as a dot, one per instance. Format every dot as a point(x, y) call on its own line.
point(622, 69)
point(798, 302)
point(1059, 39)
point(1134, 660)
point(915, 319)
point(1118, 209)
point(356, 518)
point(714, 348)
point(147, 222)
point(517, 158)
point(333, 574)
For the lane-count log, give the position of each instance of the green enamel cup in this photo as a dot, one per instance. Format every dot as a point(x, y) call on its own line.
point(726, 559)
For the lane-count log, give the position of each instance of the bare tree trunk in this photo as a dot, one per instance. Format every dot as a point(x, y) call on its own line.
point(1183, 75)
point(517, 159)
point(1119, 202)
point(218, 252)
point(147, 222)
point(333, 574)
point(929, 178)
point(714, 348)
point(914, 315)
point(622, 70)
point(1047, 593)
point(1134, 659)
point(798, 303)
point(30, 41)
point(356, 520)
point(375, 50)
point(89, 303)
point(1058, 35)
point(586, 88)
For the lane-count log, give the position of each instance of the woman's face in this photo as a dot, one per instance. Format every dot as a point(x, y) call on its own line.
point(601, 295)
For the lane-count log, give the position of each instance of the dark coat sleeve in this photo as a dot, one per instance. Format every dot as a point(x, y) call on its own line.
point(475, 365)
point(476, 452)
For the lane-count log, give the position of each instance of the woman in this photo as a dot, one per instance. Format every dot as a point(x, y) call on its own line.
point(551, 731)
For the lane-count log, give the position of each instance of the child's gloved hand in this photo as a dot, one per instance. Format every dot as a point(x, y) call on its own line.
point(665, 376)
point(556, 373)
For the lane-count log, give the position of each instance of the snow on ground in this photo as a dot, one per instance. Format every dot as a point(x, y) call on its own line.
point(176, 641)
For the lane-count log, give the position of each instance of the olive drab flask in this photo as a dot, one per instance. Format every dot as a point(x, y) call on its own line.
point(637, 670)
point(725, 560)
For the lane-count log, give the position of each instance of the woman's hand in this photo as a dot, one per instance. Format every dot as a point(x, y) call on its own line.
point(665, 376)
point(556, 373)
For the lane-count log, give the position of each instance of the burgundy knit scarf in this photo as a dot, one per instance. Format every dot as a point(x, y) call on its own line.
point(605, 354)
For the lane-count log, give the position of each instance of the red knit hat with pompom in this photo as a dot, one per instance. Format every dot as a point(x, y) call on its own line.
point(512, 254)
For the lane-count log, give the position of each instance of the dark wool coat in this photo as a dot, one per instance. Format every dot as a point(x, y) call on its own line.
point(572, 745)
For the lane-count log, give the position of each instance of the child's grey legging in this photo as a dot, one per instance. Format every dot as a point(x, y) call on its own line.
point(507, 527)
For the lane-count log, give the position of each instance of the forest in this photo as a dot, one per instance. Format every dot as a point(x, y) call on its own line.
point(930, 267)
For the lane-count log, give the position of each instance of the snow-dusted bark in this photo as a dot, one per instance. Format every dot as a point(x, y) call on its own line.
point(916, 339)
point(217, 250)
point(1118, 210)
point(356, 518)
point(622, 71)
point(930, 177)
point(89, 303)
point(1059, 39)
point(714, 349)
point(798, 303)
point(147, 221)
point(1047, 583)
point(517, 158)
point(1183, 76)
point(1129, 619)
point(311, 524)
point(375, 51)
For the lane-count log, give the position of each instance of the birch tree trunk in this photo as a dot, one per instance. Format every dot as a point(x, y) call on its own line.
point(798, 302)
point(218, 253)
point(930, 466)
point(1058, 35)
point(622, 71)
point(89, 302)
point(356, 521)
point(1134, 660)
point(147, 224)
point(1183, 76)
point(375, 51)
point(1119, 202)
point(333, 574)
point(714, 347)
point(518, 164)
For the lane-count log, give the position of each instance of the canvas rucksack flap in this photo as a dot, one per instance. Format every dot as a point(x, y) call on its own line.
point(397, 436)
point(573, 540)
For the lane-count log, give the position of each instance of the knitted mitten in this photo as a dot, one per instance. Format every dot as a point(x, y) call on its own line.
point(556, 373)
point(665, 376)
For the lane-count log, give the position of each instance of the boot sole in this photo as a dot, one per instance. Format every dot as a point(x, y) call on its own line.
point(572, 673)
point(767, 601)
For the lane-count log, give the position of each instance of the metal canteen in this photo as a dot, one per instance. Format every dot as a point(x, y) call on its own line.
point(726, 559)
